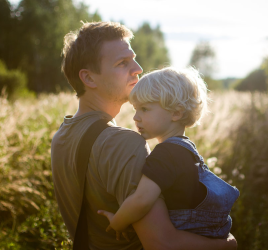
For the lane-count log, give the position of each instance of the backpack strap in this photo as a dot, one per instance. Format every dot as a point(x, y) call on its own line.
point(82, 158)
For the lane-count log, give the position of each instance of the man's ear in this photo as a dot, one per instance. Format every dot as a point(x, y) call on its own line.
point(177, 115)
point(85, 76)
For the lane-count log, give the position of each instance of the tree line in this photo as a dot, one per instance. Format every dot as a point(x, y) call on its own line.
point(204, 58)
point(31, 40)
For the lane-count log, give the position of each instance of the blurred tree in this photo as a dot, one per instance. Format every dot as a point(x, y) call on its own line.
point(203, 58)
point(31, 40)
point(149, 45)
point(229, 82)
point(8, 33)
point(255, 81)
point(39, 30)
point(246, 165)
point(11, 81)
point(264, 66)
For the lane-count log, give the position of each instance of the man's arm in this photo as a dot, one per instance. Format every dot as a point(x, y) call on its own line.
point(125, 152)
point(156, 232)
point(136, 205)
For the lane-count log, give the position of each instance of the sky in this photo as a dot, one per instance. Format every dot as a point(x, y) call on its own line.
point(236, 29)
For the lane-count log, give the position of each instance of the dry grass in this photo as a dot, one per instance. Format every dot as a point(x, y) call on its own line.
point(232, 138)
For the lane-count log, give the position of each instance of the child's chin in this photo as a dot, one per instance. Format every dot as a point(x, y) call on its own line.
point(146, 137)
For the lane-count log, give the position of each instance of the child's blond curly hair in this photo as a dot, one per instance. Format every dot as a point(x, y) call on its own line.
point(176, 90)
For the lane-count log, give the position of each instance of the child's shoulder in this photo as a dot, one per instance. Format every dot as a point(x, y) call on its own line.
point(182, 141)
point(171, 149)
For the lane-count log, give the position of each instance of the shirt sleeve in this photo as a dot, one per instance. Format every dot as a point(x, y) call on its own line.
point(160, 167)
point(122, 158)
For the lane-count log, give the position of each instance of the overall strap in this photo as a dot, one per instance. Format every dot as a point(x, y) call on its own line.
point(189, 145)
point(82, 158)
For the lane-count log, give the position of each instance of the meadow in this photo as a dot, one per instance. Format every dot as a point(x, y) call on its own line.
point(233, 139)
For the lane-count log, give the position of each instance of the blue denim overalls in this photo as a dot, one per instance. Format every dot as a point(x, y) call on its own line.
point(211, 217)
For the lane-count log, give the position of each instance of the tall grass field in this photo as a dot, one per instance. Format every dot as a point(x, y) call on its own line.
point(233, 139)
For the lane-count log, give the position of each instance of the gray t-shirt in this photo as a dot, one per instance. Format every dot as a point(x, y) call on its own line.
point(114, 171)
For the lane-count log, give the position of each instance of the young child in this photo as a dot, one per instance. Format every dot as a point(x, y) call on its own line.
point(166, 102)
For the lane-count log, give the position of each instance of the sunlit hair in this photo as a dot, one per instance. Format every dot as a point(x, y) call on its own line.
point(82, 49)
point(175, 90)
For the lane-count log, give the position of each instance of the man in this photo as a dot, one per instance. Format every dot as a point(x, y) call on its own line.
point(100, 65)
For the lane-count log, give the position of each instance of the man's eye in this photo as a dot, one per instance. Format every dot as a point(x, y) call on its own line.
point(123, 63)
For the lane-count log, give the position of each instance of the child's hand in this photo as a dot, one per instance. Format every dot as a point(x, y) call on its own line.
point(110, 216)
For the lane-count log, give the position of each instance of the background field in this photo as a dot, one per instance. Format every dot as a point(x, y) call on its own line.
point(233, 138)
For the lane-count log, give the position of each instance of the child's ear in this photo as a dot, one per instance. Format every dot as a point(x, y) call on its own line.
point(85, 76)
point(177, 115)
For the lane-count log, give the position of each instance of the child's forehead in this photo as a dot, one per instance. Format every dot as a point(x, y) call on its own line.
point(137, 104)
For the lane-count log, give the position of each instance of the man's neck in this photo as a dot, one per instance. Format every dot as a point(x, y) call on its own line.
point(96, 103)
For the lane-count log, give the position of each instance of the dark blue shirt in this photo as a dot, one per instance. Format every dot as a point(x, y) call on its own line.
point(174, 169)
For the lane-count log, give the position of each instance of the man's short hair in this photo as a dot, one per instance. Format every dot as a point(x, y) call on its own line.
point(175, 90)
point(82, 49)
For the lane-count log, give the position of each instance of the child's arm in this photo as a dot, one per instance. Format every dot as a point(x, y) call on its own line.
point(136, 205)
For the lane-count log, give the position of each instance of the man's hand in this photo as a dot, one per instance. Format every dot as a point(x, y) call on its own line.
point(232, 241)
point(156, 232)
point(110, 216)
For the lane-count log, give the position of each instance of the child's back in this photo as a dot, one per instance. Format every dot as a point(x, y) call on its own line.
point(211, 217)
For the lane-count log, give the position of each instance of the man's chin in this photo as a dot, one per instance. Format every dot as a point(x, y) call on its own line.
point(126, 99)
point(121, 101)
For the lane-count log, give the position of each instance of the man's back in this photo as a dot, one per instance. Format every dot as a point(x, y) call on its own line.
point(113, 174)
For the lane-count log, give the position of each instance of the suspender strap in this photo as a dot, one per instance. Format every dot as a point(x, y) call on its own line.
point(82, 159)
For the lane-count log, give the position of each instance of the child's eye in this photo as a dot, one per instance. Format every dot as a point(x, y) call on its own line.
point(144, 109)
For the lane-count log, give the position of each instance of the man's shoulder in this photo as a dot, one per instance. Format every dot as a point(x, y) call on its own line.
point(121, 132)
point(121, 137)
point(57, 137)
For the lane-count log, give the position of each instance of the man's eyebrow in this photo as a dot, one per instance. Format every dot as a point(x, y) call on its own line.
point(132, 55)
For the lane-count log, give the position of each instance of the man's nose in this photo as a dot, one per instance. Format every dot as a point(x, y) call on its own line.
point(137, 69)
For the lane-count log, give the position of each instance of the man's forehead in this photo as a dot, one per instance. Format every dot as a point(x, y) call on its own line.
point(117, 49)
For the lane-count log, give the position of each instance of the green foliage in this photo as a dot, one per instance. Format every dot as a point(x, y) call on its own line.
point(34, 39)
point(149, 45)
point(229, 83)
point(255, 81)
point(28, 211)
point(203, 58)
point(31, 38)
point(248, 167)
point(265, 65)
point(240, 148)
point(11, 81)
point(41, 230)
point(213, 84)
point(8, 34)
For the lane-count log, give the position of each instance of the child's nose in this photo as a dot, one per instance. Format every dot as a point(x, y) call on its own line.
point(136, 118)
